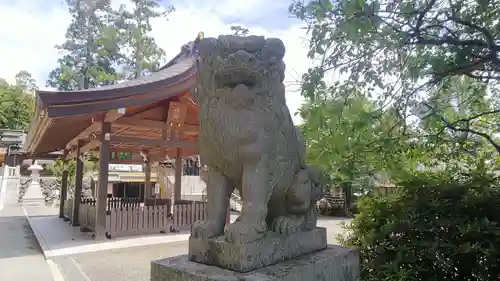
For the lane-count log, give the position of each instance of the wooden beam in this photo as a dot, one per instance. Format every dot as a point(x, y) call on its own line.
point(109, 116)
point(86, 148)
point(64, 187)
point(186, 98)
point(178, 176)
point(155, 142)
point(164, 128)
point(94, 127)
point(90, 146)
point(102, 189)
point(78, 186)
point(147, 182)
point(175, 119)
point(138, 123)
point(147, 124)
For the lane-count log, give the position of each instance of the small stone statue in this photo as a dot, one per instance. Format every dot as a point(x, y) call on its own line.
point(249, 142)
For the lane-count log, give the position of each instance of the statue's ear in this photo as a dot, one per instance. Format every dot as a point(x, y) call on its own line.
point(206, 47)
point(273, 49)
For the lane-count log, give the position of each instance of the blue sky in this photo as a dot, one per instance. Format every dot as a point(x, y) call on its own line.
point(31, 28)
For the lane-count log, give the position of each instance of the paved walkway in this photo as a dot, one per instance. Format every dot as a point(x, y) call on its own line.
point(20, 256)
point(79, 258)
point(134, 263)
point(58, 238)
point(127, 264)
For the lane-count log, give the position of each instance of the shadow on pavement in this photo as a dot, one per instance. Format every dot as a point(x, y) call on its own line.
point(126, 264)
point(16, 238)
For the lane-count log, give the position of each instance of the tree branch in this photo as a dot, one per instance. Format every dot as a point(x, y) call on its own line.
point(468, 130)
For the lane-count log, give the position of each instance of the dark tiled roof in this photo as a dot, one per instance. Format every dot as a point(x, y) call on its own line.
point(160, 79)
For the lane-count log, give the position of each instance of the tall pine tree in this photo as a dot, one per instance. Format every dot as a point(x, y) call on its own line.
point(91, 50)
point(140, 52)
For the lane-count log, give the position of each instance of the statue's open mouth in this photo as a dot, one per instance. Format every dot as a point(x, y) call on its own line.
point(231, 79)
point(232, 86)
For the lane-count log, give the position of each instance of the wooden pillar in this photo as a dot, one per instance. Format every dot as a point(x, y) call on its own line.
point(78, 185)
point(178, 175)
point(147, 180)
point(102, 188)
point(141, 191)
point(64, 189)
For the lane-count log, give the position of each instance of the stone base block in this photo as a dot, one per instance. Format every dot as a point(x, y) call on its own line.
point(271, 249)
point(335, 263)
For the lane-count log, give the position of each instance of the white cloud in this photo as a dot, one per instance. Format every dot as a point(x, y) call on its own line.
point(28, 40)
point(30, 46)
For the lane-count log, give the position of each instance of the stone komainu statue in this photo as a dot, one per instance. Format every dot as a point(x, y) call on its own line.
point(249, 141)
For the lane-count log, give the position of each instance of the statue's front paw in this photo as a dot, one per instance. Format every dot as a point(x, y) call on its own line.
point(286, 225)
point(243, 233)
point(206, 229)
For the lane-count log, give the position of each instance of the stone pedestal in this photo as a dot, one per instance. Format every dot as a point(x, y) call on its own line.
point(273, 248)
point(335, 263)
point(34, 192)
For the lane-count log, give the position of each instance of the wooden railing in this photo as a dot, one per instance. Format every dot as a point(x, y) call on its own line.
point(153, 219)
point(186, 214)
point(130, 218)
point(331, 205)
point(68, 208)
point(118, 202)
point(138, 220)
point(114, 202)
point(87, 216)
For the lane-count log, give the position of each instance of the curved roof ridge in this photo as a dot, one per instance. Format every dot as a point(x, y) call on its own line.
point(49, 98)
point(181, 63)
point(188, 50)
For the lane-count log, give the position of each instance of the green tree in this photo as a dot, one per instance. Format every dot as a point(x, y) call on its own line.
point(140, 52)
point(57, 168)
point(17, 104)
point(460, 127)
point(354, 145)
point(239, 30)
point(402, 51)
point(91, 50)
point(25, 80)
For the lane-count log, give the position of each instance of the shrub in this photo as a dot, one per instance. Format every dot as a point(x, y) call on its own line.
point(433, 227)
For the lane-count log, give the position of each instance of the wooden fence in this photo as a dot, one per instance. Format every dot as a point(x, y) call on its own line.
point(87, 216)
point(127, 217)
point(68, 208)
point(331, 205)
point(153, 219)
point(186, 214)
point(114, 202)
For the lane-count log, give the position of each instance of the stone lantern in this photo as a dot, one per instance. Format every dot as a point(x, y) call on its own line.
point(34, 191)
